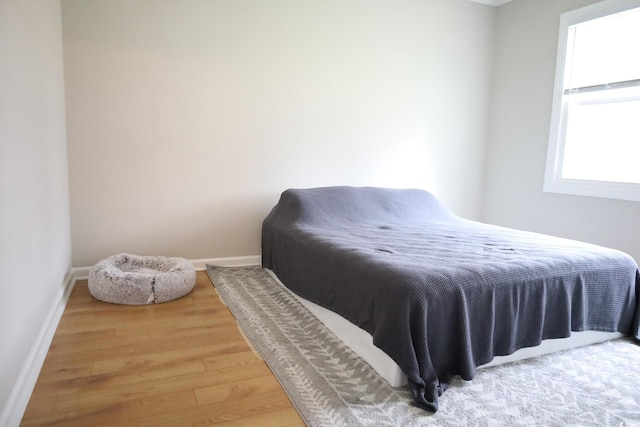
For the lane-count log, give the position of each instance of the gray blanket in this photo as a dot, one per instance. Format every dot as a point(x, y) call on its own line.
point(439, 294)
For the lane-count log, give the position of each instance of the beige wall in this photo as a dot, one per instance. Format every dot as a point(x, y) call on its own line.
point(187, 119)
point(524, 68)
point(35, 242)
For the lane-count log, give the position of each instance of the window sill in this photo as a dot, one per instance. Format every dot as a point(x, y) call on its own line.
point(608, 190)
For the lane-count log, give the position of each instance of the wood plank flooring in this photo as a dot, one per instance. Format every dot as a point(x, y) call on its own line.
point(181, 363)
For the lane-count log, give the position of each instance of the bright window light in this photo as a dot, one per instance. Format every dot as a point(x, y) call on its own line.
point(602, 142)
point(594, 143)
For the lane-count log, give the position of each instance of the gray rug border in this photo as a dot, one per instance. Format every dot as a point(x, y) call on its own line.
point(307, 401)
point(255, 343)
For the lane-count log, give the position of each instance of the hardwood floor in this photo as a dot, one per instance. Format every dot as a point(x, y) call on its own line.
point(181, 363)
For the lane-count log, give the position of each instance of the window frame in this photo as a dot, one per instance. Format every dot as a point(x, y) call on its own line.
point(553, 182)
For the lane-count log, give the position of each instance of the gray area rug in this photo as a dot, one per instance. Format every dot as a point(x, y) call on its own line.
point(597, 385)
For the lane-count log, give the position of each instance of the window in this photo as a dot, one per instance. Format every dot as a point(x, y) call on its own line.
point(594, 141)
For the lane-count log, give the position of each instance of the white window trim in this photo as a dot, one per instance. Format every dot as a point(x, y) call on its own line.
point(553, 182)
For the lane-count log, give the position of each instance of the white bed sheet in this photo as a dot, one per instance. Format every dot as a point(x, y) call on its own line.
point(361, 342)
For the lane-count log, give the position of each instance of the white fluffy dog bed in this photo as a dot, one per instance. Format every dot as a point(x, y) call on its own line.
point(137, 280)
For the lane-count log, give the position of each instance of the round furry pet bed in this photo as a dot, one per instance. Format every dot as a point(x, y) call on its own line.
point(137, 280)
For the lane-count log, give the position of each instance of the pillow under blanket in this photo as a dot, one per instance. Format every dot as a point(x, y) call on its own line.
point(137, 280)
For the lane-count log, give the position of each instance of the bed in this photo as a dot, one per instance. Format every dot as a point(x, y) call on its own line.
point(438, 294)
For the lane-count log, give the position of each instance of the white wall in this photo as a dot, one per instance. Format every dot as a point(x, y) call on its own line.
point(187, 119)
point(35, 242)
point(524, 68)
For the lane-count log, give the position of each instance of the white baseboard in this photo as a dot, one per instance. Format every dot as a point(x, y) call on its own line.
point(80, 273)
point(19, 398)
point(238, 261)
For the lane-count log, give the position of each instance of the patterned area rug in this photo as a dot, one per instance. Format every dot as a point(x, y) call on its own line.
point(597, 385)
